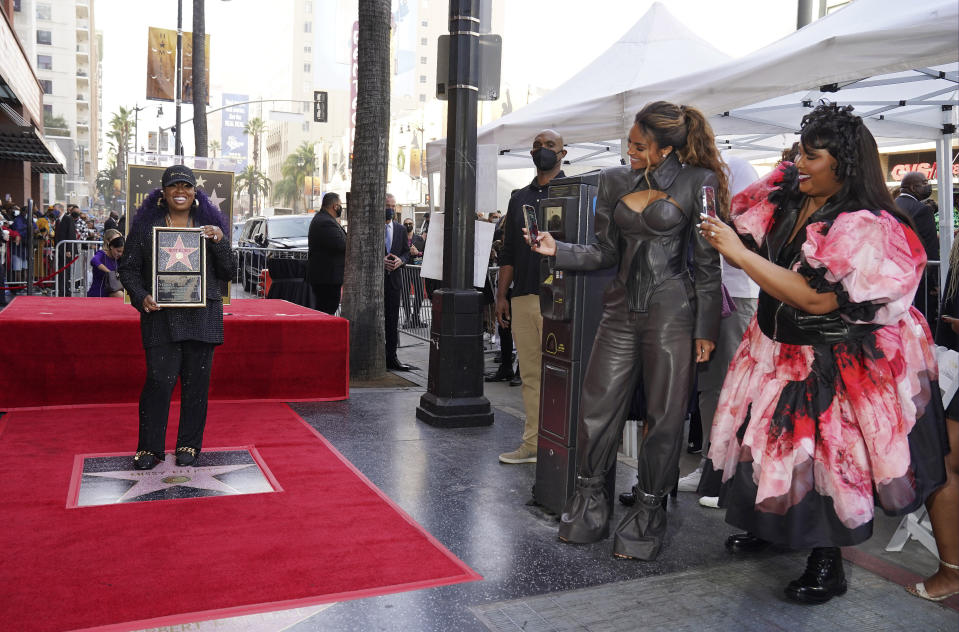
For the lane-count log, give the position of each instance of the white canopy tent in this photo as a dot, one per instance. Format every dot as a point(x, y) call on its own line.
point(655, 49)
point(897, 63)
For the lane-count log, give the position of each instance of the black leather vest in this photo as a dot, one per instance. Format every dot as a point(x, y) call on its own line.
point(784, 323)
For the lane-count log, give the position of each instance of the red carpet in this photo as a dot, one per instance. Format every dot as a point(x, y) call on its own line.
point(329, 535)
point(76, 351)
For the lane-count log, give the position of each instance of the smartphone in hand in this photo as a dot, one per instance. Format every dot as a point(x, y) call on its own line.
point(532, 226)
point(709, 201)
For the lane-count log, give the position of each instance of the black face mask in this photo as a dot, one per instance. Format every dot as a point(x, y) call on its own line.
point(338, 210)
point(544, 159)
point(389, 214)
point(74, 215)
point(923, 191)
point(409, 228)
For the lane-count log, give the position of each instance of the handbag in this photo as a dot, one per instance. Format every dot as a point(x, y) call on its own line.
point(728, 305)
point(112, 282)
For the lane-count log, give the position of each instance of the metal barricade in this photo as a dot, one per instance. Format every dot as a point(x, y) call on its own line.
point(72, 266)
point(416, 318)
point(252, 263)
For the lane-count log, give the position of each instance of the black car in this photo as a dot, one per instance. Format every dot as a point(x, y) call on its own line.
point(261, 235)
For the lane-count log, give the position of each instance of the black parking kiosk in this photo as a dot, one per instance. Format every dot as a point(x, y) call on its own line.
point(571, 303)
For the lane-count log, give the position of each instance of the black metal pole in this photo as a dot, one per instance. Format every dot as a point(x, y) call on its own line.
point(28, 246)
point(177, 146)
point(455, 384)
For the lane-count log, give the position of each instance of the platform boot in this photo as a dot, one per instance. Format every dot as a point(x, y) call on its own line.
point(823, 579)
point(585, 518)
point(641, 532)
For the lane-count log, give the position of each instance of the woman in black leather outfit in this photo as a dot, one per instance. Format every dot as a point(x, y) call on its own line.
point(660, 317)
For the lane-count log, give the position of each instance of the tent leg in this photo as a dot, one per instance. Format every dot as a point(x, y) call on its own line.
point(944, 178)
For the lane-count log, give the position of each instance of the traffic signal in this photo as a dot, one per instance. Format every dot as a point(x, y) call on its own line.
point(319, 106)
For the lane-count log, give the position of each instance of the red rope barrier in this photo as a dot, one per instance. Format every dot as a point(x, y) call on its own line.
point(44, 279)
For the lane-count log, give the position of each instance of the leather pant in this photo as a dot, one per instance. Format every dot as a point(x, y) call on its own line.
point(657, 347)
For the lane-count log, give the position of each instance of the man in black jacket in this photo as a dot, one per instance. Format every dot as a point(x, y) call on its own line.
point(327, 251)
point(397, 255)
point(66, 230)
point(915, 188)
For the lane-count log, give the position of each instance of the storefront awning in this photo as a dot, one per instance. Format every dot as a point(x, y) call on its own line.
point(24, 144)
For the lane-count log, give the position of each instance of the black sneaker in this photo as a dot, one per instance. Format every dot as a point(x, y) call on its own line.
point(694, 448)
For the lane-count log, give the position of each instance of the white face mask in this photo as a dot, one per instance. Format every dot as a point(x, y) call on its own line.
point(16, 212)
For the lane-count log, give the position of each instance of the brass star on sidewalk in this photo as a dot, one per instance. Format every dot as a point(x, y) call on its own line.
point(167, 475)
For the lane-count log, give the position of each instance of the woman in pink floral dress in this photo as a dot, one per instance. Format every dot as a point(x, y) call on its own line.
point(832, 398)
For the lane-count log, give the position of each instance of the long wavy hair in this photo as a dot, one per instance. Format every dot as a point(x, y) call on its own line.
point(204, 213)
point(689, 133)
point(847, 139)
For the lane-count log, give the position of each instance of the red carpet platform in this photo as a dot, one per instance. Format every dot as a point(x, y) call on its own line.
point(76, 351)
point(327, 533)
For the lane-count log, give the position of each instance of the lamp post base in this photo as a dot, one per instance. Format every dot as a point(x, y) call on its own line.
point(454, 397)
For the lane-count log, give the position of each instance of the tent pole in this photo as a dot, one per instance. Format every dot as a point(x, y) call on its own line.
point(944, 179)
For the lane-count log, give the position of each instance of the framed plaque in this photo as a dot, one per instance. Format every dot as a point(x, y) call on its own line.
point(179, 267)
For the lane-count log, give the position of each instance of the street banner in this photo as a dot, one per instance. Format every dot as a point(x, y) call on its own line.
point(233, 142)
point(161, 65)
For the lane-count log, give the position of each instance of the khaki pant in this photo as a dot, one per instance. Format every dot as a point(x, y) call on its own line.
point(526, 323)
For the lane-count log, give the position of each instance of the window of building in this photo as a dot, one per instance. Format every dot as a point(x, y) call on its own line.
point(16, 5)
point(422, 78)
point(422, 60)
point(44, 12)
point(307, 27)
point(47, 85)
point(44, 62)
point(306, 127)
point(47, 109)
point(308, 49)
point(424, 41)
point(308, 6)
point(44, 37)
point(306, 67)
point(422, 98)
point(424, 23)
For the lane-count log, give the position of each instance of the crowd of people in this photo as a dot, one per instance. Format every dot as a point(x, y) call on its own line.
point(45, 229)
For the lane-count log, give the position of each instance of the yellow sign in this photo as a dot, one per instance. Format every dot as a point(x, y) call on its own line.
point(161, 65)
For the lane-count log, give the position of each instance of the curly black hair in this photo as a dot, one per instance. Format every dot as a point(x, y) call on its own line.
point(836, 129)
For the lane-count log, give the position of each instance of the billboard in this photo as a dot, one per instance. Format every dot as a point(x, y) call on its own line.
point(161, 65)
point(233, 142)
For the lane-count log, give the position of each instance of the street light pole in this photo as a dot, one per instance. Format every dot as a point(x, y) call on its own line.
point(455, 385)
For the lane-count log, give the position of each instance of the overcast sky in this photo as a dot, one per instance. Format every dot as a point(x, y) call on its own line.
point(544, 41)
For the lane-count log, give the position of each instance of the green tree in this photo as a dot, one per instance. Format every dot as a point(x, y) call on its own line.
point(255, 128)
point(287, 192)
point(255, 183)
point(214, 147)
point(121, 135)
point(105, 186)
point(363, 279)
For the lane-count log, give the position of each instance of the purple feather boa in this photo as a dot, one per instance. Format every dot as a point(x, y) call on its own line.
point(204, 215)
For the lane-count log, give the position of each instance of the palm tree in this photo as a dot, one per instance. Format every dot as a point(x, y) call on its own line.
point(199, 78)
point(253, 182)
point(255, 128)
point(121, 132)
point(105, 185)
point(287, 192)
point(363, 279)
point(214, 147)
point(297, 166)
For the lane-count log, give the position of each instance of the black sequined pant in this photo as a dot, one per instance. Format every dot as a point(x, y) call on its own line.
point(190, 361)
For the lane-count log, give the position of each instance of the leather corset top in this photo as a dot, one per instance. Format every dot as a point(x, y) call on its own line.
point(654, 243)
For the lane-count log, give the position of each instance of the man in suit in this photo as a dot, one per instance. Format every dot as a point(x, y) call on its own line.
point(327, 251)
point(915, 188)
point(66, 230)
point(397, 250)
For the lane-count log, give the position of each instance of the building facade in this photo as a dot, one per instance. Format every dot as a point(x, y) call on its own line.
point(60, 42)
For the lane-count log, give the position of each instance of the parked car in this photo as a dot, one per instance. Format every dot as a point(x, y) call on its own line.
point(287, 232)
